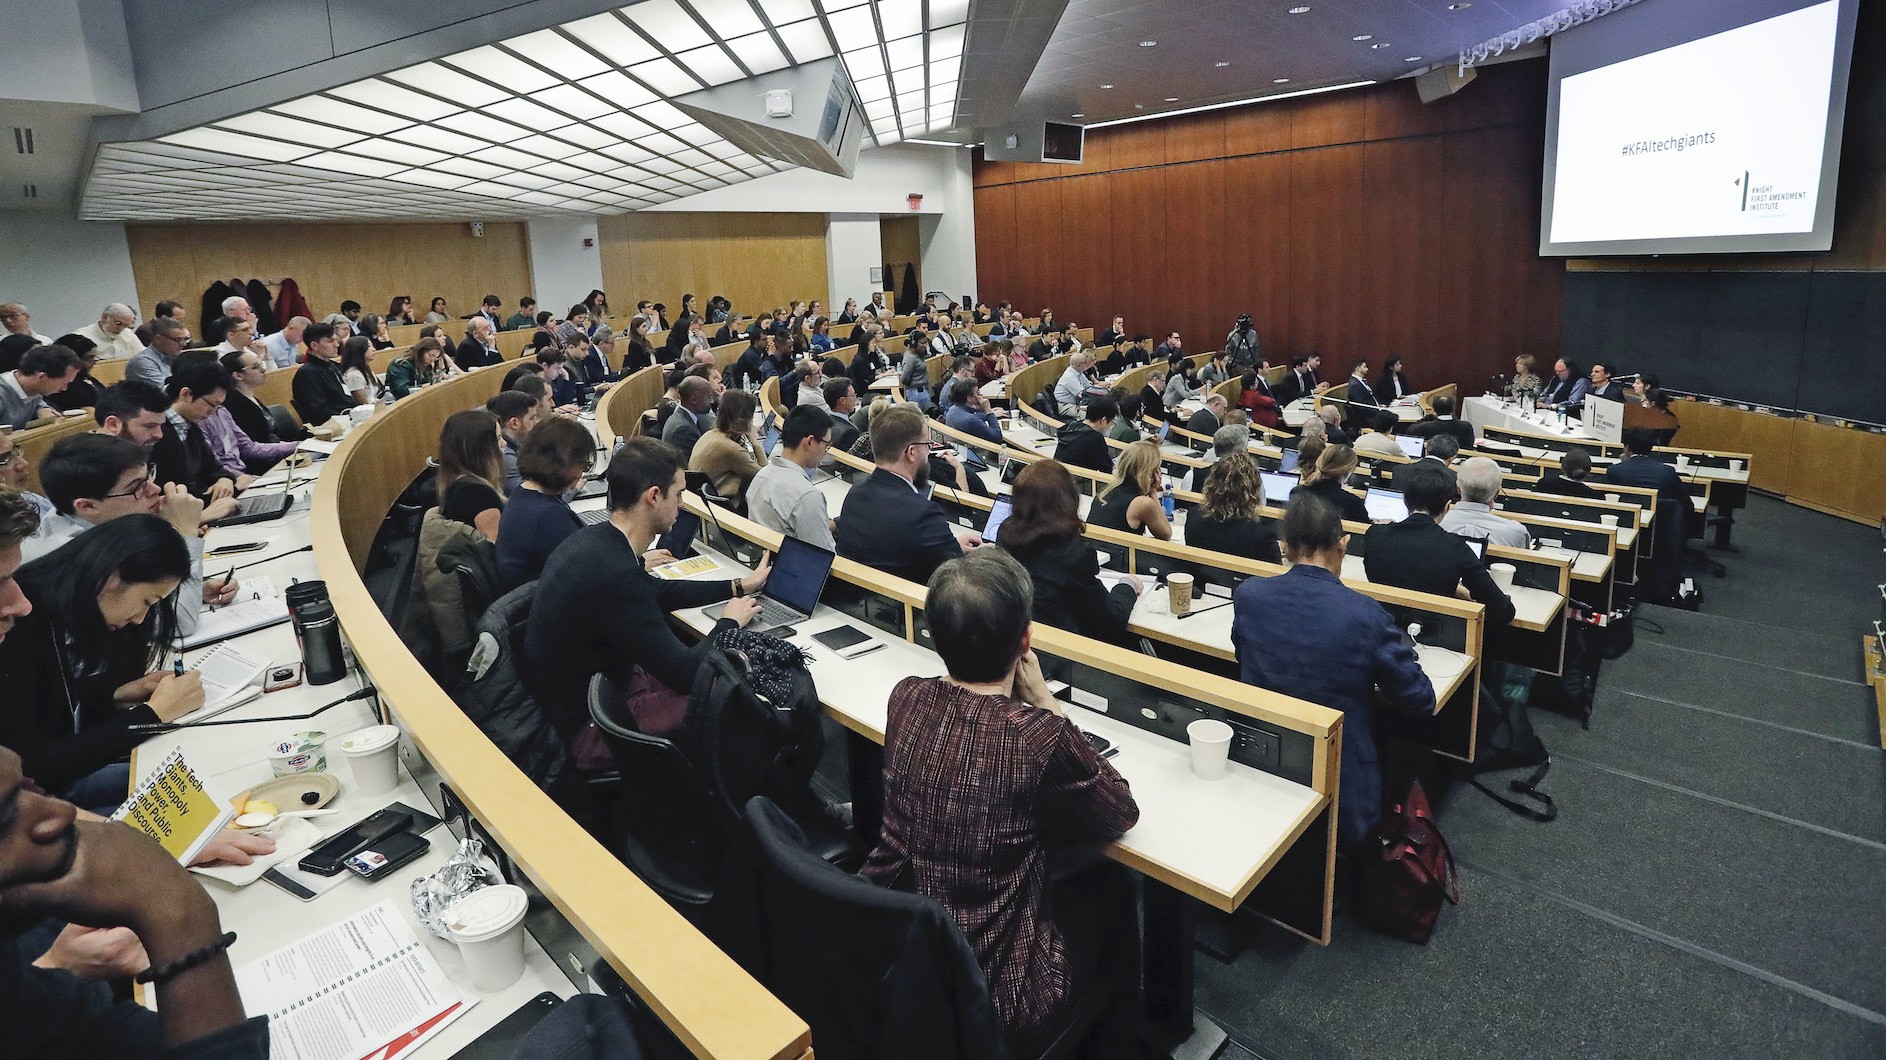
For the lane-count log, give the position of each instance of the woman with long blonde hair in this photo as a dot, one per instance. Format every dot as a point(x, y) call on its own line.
point(1131, 501)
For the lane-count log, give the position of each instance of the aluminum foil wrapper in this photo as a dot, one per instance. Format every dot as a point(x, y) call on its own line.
point(466, 871)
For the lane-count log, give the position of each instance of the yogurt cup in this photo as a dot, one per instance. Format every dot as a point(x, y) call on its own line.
point(373, 754)
point(488, 927)
point(304, 752)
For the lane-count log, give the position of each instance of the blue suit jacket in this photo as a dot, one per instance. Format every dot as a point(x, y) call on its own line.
point(889, 526)
point(1307, 635)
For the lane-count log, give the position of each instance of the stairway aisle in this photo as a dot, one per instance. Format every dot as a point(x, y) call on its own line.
point(1715, 885)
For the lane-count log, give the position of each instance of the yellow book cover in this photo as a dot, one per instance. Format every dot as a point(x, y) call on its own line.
point(172, 805)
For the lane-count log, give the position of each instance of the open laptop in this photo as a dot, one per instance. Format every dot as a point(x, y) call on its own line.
point(1385, 504)
point(260, 507)
point(1287, 464)
point(1278, 487)
point(1411, 446)
point(792, 591)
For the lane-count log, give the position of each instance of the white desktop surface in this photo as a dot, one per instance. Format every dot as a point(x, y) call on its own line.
point(1533, 609)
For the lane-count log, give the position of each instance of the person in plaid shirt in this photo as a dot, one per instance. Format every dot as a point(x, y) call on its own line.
point(983, 777)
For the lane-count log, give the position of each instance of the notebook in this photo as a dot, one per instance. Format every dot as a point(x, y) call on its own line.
point(229, 680)
point(245, 616)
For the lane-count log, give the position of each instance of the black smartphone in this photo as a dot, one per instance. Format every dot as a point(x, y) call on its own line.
point(501, 1041)
point(1101, 743)
point(387, 854)
point(235, 550)
point(329, 857)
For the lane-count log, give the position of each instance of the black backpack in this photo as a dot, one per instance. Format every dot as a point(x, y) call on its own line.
point(753, 722)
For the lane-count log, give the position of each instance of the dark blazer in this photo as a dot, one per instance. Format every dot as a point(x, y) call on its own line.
point(186, 459)
point(1394, 387)
point(1306, 634)
point(1431, 426)
point(1068, 592)
point(1294, 385)
point(1204, 422)
point(1613, 390)
point(1250, 538)
point(1417, 554)
point(683, 430)
point(844, 433)
point(1651, 473)
point(1567, 487)
point(1363, 403)
point(472, 354)
point(1152, 403)
point(1082, 446)
point(318, 393)
point(1348, 505)
point(886, 524)
point(251, 417)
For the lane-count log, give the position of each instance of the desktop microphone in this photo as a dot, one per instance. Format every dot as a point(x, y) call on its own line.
point(366, 692)
point(271, 559)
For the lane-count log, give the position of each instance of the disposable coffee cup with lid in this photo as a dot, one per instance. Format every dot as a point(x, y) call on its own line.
point(373, 753)
point(1180, 588)
point(1503, 575)
point(488, 926)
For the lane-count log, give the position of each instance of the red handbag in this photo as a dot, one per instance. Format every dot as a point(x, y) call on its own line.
point(1407, 870)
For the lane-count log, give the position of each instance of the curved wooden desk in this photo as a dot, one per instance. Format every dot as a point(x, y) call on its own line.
point(706, 999)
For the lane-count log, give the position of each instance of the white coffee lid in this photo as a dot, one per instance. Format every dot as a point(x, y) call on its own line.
point(485, 913)
point(370, 739)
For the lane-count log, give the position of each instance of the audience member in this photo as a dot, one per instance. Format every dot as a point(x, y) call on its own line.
point(1181, 384)
point(984, 850)
point(1640, 468)
point(781, 497)
point(82, 392)
point(472, 470)
point(132, 410)
point(356, 365)
point(400, 310)
point(284, 347)
point(1255, 397)
point(517, 412)
point(691, 418)
point(1379, 438)
point(972, 417)
point(598, 610)
point(1207, 420)
point(1393, 385)
point(182, 454)
point(1306, 634)
point(1043, 533)
point(841, 403)
point(422, 365)
point(477, 350)
point(15, 318)
point(889, 521)
point(1418, 553)
point(1217, 370)
point(1126, 424)
point(1083, 442)
point(438, 313)
point(1442, 421)
point(537, 518)
point(1152, 396)
point(525, 317)
point(1227, 520)
point(1361, 397)
point(1071, 389)
point(1132, 502)
point(1574, 468)
point(15, 470)
point(43, 371)
point(1473, 516)
point(730, 452)
point(115, 331)
point(236, 450)
point(1328, 477)
point(318, 392)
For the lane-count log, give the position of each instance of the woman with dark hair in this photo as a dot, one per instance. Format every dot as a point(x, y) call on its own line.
point(641, 353)
point(423, 365)
point(677, 339)
point(687, 307)
point(598, 305)
point(400, 310)
point(552, 458)
point(12, 348)
point(1393, 384)
point(88, 663)
point(821, 339)
point(471, 470)
point(357, 376)
point(438, 314)
point(1227, 521)
point(373, 327)
point(867, 364)
point(1043, 532)
point(83, 391)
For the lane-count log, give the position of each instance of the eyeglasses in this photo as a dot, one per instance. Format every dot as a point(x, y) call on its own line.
point(136, 489)
point(12, 456)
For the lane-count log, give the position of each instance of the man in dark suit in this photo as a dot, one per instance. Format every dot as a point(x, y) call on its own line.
point(493, 310)
point(841, 400)
point(182, 454)
point(889, 521)
point(1570, 481)
point(1602, 385)
point(1640, 468)
point(1363, 404)
point(476, 351)
point(1171, 349)
point(1443, 422)
point(1417, 554)
point(1207, 420)
point(317, 392)
point(1083, 443)
point(1305, 634)
point(687, 423)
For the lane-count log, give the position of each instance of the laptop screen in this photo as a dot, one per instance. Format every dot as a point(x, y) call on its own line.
point(1385, 504)
point(799, 573)
point(1479, 546)
point(1288, 463)
point(1165, 431)
point(1278, 488)
point(1003, 506)
point(1410, 446)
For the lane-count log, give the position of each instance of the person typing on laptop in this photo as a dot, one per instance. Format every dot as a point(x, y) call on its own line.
point(599, 610)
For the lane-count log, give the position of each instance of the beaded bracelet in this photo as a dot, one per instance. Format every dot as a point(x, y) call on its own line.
point(188, 961)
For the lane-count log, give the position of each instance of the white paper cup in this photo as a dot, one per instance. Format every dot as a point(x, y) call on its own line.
point(1735, 465)
point(1179, 588)
point(1614, 498)
point(1211, 747)
point(1682, 461)
point(488, 926)
point(359, 414)
point(1609, 519)
point(373, 754)
point(1503, 575)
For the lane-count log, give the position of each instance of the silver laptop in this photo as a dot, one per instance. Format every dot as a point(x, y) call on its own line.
point(792, 591)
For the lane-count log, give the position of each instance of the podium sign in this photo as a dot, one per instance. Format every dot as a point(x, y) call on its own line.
point(1604, 418)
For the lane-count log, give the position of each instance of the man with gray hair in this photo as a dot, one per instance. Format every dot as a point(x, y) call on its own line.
point(1473, 515)
point(284, 347)
point(1231, 438)
point(1331, 415)
point(116, 331)
point(169, 337)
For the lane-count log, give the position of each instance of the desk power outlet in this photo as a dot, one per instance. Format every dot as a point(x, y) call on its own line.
point(1254, 747)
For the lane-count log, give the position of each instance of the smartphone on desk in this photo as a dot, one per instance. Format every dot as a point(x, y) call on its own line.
point(387, 854)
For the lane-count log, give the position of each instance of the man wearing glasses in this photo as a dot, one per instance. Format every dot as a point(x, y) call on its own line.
point(13, 471)
point(92, 479)
point(183, 455)
point(169, 337)
point(782, 497)
point(889, 521)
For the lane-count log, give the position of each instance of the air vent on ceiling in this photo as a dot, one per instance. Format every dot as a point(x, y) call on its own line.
point(30, 191)
point(23, 139)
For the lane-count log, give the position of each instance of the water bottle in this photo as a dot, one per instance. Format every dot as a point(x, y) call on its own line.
point(321, 659)
point(1166, 500)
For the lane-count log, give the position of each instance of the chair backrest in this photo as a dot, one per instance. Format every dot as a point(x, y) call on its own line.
point(675, 834)
point(283, 420)
point(875, 972)
point(492, 693)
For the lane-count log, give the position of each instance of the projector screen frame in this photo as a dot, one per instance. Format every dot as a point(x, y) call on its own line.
point(1644, 29)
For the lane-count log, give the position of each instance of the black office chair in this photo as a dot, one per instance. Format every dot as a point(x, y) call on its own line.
point(671, 831)
point(284, 423)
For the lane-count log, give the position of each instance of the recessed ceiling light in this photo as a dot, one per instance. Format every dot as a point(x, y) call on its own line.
point(1139, 106)
point(1172, 99)
point(1460, 6)
point(1149, 44)
point(1412, 59)
point(1362, 36)
point(1077, 115)
point(1221, 65)
point(1106, 86)
point(1379, 45)
point(1299, 10)
point(1279, 80)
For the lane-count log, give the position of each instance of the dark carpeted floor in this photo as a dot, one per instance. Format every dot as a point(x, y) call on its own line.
point(1715, 885)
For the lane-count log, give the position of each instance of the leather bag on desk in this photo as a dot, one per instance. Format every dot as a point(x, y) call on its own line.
point(1407, 870)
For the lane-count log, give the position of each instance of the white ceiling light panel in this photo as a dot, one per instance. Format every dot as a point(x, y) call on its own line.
point(665, 77)
point(727, 18)
point(557, 53)
point(853, 29)
point(343, 115)
point(948, 12)
point(711, 64)
point(573, 101)
point(758, 53)
point(614, 39)
point(292, 130)
point(806, 40)
point(393, 99)
point(449, 84)
point(500, 67)
point(900, 18)
point(238, 145)
point(668, 25)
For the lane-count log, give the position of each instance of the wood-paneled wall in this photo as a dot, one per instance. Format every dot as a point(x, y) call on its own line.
point(1358, 223)
point(369, 263)
point(756, 260)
